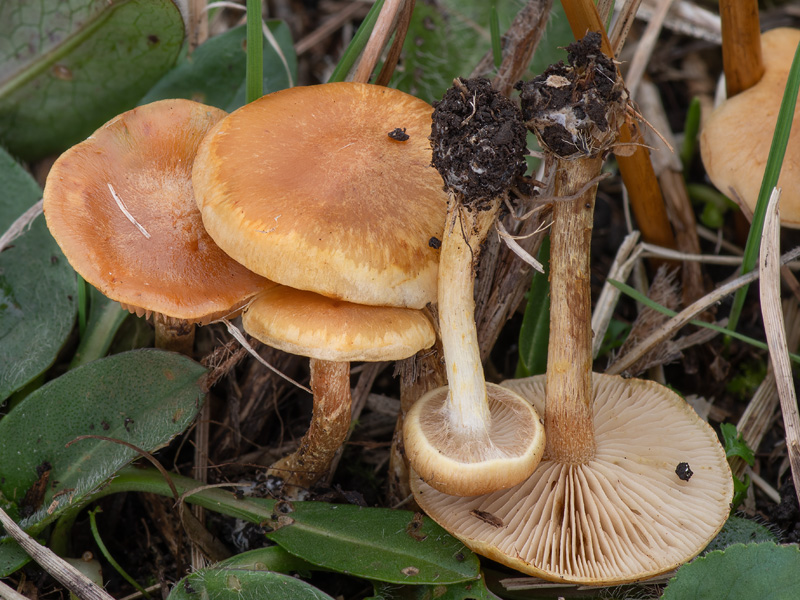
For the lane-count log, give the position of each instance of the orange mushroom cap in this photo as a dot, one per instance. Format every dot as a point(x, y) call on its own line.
point(736, 139)
point(157, 258)
point(306, 186)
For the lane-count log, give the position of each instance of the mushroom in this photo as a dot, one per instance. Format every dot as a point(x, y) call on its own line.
point(331, 332)
point(314, 188)
point(624, 515)
point(470, 437)
point(605, 505)
point(736, 138)
point(337, 198)
point(120, 205)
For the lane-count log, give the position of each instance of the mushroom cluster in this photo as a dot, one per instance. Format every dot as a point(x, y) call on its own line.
point(328, 190)
point(632, 482)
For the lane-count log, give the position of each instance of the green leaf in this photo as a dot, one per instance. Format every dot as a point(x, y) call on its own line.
point(772, 171)
point(68, 67)
point(37, 287)
point(12, 557)
point(215, 73)
point(144, 397)
point(740, 572)
point(735, 445)
point(740, 531)
point(534, 333)
point(470, 590)
point(254, 83)
point(374, 543)
point(691, 128)
point(240, 583)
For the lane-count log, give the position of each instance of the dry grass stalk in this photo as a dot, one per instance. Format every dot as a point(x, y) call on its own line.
point(758, 417)
point(770, 288)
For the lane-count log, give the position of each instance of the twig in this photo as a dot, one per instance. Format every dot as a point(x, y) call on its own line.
point(67, 575)
point(770, 290)
point(126, 212)
point(17, 227)
point(682, 318)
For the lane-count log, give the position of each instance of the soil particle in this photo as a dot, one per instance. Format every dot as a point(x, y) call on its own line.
point(683, 471)
point(478, 141)
point(575, 109)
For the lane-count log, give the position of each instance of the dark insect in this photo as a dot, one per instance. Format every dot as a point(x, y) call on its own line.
point(398, 134)
point(435, 243)
point(487, 517)
point(414, 526)
point(683, 471)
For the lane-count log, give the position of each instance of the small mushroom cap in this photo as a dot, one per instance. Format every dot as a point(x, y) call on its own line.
point(141, 161)
point(308, 324)
point(305, 186)
point(625, 515)
point(736, 139)
point(469, 464)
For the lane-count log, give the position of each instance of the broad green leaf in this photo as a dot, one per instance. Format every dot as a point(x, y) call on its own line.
point(37, 287)
point(740, 572)
point(68, 66)
point(740, 531)
point(12, 557)
point(239, 583)
point(260, 567)
point(144, 397)
point(215, 72)
point(468, 590)
point(373, 543)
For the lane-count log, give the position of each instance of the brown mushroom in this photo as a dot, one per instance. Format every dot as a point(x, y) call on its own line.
point(120, 205)
point(736, 138)
point(331, 332)
point(622, 516)
point(471, 437)
point(318, 172)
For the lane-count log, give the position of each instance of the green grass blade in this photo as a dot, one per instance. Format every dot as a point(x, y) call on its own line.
point(641, 298)
point(255, 52)
point(357, 44)
point(773, 169)
point(534, 334)
point(494, 28)
point(691, 128)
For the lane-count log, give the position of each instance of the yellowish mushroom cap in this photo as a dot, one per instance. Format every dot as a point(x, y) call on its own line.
point(309, 324)
point(467, 463)
point(157, 258)
point(625, 515)
point(736, 138)
point(307, 187)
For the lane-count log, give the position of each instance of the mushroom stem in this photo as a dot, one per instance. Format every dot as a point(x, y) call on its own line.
point(466, 406)
point(330, 422)
point(741, 45)
point(176, 335)
point(568, 415)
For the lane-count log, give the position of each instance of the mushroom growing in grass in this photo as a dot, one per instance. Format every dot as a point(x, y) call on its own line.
point(331, 333)
point(613, 500)
point(120, 205)
point(736, 138)
point(471, 437)
point(327, 189)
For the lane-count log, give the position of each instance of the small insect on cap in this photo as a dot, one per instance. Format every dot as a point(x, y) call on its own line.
point(316, 326)
point(736, 138)
point(328, 188)
point(120, 205)
point(623, 516)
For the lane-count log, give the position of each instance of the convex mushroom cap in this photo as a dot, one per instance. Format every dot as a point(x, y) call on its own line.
point(308, 324)
point(623, 516)
point(121, 206)
point(736, 139)
point(328, 188)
